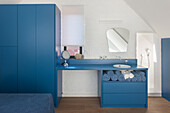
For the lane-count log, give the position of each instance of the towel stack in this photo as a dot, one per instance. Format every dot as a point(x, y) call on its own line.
point(124, 76)
point(114, 76)
point(134, 76)
point(138, 76)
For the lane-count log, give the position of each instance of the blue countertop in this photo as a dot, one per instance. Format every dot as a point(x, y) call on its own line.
point(98, 67)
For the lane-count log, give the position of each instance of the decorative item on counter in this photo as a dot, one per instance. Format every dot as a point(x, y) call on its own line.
point(65, 55)
point(79, 56)
point(76, 52)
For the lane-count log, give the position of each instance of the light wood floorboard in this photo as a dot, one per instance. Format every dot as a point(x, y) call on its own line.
point(91, 105)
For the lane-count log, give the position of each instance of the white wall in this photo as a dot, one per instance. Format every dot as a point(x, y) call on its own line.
point(80, 83)
point(95, 32)
point(152, 42)
point(101, 15)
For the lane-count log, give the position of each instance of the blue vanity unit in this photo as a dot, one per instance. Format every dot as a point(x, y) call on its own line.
point(28, 34)
point(113, 93)
point(165, 68)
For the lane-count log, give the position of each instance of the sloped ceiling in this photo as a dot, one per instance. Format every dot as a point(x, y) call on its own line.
point(156, 14)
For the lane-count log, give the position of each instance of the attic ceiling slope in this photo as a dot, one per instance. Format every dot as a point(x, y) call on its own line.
point(155, 12)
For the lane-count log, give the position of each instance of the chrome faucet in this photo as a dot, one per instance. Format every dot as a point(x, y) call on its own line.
point(103, 57)
point(118, 57)
point(126, 61)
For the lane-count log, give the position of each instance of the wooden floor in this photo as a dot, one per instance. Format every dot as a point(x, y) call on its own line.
point(91, 105)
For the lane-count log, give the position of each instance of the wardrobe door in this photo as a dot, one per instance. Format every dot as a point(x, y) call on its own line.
point(45, 48)
point(8, 25)
point(8, 48)
point(27, 48)
point(8, 69)
point(165, 68)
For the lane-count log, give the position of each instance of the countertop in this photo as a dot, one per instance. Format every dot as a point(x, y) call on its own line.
point(97, 67)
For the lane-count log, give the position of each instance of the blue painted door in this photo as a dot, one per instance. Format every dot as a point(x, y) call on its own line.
point(8, 25)
point(27, 49)
point(8, 69)
point(45, 48)
point(165, 68)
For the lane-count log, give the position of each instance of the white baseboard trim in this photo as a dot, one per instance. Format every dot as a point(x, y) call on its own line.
point(79, 96)
point(154, 94)
point(94, 95)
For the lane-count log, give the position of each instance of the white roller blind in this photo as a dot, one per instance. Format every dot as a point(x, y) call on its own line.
point(73, 25)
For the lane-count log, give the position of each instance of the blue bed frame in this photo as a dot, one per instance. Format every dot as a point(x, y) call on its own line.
point(26, 103)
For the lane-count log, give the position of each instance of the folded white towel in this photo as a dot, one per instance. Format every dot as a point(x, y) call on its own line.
point(127, 74)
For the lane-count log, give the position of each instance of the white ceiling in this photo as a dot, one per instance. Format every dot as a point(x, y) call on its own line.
point(156, 14)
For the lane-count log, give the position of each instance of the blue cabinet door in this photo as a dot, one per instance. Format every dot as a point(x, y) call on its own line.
point(8, 25)
point(8, 69)
point(27, 48)
point(45, 48)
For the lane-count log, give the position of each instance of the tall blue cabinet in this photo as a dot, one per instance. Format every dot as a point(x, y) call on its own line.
point(165, 68)
point(28, 48)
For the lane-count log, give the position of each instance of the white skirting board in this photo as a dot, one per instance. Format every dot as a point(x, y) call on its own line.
point(154, 94)
point(94, 95)
point(79, 95)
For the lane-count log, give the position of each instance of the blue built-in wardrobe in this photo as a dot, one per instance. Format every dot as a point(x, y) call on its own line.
point(27, 48)
point(166, 68)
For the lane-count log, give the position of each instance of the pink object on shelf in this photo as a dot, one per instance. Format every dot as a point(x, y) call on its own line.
point(73, 50)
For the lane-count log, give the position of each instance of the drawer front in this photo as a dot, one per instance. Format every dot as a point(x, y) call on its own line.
point(124, 87)
point(124, 99)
